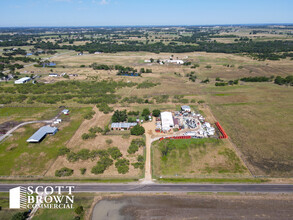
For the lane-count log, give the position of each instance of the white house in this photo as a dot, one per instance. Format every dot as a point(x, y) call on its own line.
point(53, 75)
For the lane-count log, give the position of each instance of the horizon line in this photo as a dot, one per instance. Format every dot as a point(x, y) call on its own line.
point(162, 25)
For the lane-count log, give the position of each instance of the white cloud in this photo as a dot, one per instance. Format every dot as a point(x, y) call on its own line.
point(102, 2)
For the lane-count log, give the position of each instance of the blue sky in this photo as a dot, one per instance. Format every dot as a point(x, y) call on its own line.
point(143, 12)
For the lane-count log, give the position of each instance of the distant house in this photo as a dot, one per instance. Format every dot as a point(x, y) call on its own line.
point(53, 75)
point(185, 108)
point(40, 134)
point(147, 61)
point(122, 125)
point(65, 111)
point(98, 52)
point(22, 80)
point(176, 61)
point(29, 54)
point(50, 64)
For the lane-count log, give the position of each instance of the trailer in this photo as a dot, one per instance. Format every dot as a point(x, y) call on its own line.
point(224, 135)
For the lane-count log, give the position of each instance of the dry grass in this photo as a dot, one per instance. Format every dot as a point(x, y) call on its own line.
point(258, 118)
point(98, 143)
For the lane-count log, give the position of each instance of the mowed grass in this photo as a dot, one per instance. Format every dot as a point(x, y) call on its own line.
point(17, 157)
point(80, 199)
point(194, 157)
point(27, 113)
point(258, 118)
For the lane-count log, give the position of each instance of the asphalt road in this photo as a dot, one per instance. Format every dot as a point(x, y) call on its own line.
point(136, 188)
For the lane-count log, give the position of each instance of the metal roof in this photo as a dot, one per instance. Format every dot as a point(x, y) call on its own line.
point(41, 133)
point(22, 80)
point(123, 125)
point(185, 107)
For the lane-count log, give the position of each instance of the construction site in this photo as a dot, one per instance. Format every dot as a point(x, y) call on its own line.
point(186, 124)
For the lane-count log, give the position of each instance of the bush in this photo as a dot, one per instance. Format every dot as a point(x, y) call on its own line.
point(105, 108)
point(114, 152)
point(95, 130)
point(139, 163)
point(85, 136)
point(82, 171)
point(119, 116)
point(89, 115)
point(208, 66)
point(63, 150)
point(156, 112)
point(19, 216)
point(145, 112)
point(63, 172)
point(78, 210)
point(201, 102)
point(137, 130)
point(122, 166)
point(102, 165)
point(109, 141)
point(132, 149)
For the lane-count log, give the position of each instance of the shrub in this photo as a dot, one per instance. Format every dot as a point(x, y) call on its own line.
point(145, 112)
point(105, 108)
point(122, 166)
point(132, 149)
point(156, 112)
point(114, 152)
point(85, 136)
point(201, 102)
point(208, 66)
point(119, 116)
point(79, 209)
point(89, 115)
point(95, 130)
point(82, 170)
point(137, 130)
point(109, 141)
point(98, 169)
point(63, 150)
point(63, 172)
point(72, 157)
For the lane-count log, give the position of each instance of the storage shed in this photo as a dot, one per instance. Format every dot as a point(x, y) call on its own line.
point(40, 134)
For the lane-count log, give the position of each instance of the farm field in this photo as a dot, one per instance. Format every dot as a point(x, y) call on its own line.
point(27, 159)
point(257, 117)
point(196, 158)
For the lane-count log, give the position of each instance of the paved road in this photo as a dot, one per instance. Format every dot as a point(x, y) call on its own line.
point(20, 125)
point(135, 188)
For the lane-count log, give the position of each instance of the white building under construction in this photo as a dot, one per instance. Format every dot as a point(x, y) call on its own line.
point(167, 121)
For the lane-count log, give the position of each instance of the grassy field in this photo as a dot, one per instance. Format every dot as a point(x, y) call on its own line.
point(22, 158)
point(195, 157)
point(258, 118)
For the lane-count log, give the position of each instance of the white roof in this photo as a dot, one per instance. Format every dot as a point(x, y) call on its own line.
point(22, 80)
point(41, 133)
point(123, 124)
point(185, 107)
point(167, 120)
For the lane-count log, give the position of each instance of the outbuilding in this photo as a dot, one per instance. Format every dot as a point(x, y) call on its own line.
point(167, 121)
point(40, 134)
point(185, 108)
point(22, 80)
point(122, 125)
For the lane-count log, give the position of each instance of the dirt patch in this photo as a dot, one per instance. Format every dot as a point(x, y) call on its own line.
point(253, 207)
